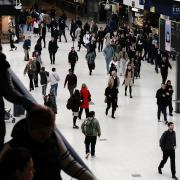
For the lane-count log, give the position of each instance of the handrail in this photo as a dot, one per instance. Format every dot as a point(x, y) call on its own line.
point(21, 89)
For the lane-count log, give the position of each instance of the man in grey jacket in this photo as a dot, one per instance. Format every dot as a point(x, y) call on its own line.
point(91, 129)
point(108, 53)
point(168, 146)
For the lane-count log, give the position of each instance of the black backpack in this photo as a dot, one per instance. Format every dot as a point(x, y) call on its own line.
point(69, 104)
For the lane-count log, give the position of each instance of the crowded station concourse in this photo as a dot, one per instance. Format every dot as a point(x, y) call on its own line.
point(106, 86)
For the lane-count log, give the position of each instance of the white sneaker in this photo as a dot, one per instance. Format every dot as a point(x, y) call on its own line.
point(87, 155)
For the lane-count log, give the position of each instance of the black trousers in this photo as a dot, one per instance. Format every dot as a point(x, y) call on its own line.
point(113, 103)
point(44, 40)
point(170, 106)
point(100, 45)
point(72, 34)
point(31, 84)
point(36, 79)
point(62, 32)
point(86, 111)
point(162, 108)
point(90, 140)
point(164, 76)
point(52, 57)
point(166, 155)
point(73, 66)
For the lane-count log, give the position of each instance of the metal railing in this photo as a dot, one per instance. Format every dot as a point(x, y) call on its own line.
point(21, 89)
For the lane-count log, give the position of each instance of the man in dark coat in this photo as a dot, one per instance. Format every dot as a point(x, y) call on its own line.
point(71, 79)
point(52, 49)
point(168, 146)
point(62, 27)
point(162, 102)
point(7, 91)
point(72, 58)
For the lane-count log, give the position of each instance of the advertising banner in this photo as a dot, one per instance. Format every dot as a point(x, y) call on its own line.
point(168, 35)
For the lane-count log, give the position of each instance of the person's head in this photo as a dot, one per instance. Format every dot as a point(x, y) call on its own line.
point(70, 71)
point(163, 86)
point(91, 114)
point(101, 28)
point(168, 82)
point(83, 85)
point(52, 38)
point(53, 69)
point(170, 126)
point(72, 49)
point(76, 92)
point(129, 67)
point(16, 164)
point(114, 58)
point(40, 123)
point(43, 69)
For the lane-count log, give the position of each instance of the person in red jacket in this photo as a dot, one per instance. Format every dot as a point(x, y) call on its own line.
point(85, 99)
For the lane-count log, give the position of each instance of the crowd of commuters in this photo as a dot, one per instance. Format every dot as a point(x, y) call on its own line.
point(125, 49)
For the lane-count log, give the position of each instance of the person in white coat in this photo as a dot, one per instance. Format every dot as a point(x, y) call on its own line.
point(123, 61)
point(54, 79)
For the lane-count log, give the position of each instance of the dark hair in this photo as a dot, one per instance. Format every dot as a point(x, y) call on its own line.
point(43, 68)
point(40, 117)
point(91, 114)
point(53, 69)
point(76, 93)
point(170, 123)
point(168, 81)
point(13, 160)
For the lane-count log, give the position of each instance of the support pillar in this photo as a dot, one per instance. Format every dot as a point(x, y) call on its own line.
point(177, 102)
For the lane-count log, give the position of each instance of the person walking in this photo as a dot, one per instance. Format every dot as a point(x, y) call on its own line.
point(71, 79)
point(90, 58)
point(72, 29)
point(74, 104)
point(162, 102)
point(164, 65)
point(72, 58)
point(52, 50)
point(44, 75)
point(128, 80)
point(100, 39)
point(11, 39)
point(62, 28)
point(91, 129)
point(108, 53)
point(111, 99)
point(168, 147)
point(43, 33)
point(54, 79)
point(123, 61)
point(85, 99)
point(169, 93)
point(26, 47)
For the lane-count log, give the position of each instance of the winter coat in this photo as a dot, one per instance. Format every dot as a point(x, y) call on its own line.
point(76, 101)
point(85, 98)
point(27, 44)
point(72, 57)
point(164, 65)
point(71, 80)
point(53, 46)
point(94, 124)
point(111, 94)
point(162, 98)
point(90, 57)
point(44, 77)
point(128, 80)
point(108, 53)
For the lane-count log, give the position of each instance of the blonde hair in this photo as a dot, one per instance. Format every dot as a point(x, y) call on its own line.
point(84, 85)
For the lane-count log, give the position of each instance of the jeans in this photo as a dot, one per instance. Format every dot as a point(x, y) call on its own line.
point(55, 87)
point(44, 87)
point(90, 140)
point(162, 108)
point(166, 155)
point(26, 52)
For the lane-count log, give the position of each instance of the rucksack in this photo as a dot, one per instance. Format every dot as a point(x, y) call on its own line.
point(89, 127)
point(69, 104)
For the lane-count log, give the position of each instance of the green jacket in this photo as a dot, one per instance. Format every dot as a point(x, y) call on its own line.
point(91, 127)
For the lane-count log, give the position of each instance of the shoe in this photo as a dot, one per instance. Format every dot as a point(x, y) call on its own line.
point(174, 177)
point(125, 94)
point(93, 156)
point(159, 170)
point(166, 122)
point(11, 50)
point(87, 155)
point(171, 114)
point(15, 48)
point(130, 96)
point(75, 127)
point(113, 117)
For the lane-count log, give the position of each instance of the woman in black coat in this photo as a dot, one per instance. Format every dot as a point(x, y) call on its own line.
point(111, 99)
point(75, 99)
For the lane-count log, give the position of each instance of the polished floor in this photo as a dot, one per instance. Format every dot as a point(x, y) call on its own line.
point(129, 145)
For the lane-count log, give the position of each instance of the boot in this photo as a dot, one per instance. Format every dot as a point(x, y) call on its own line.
point(113, 114)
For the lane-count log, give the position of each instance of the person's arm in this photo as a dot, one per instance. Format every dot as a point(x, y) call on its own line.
point(169, 65)
point(69, 60)
point(71, 166)
point(163, 140)
point(75, 80)
point(12, 95)
point(98, 129)
point(77, 57)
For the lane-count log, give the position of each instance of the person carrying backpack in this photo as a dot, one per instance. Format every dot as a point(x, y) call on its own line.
point(91, 129)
